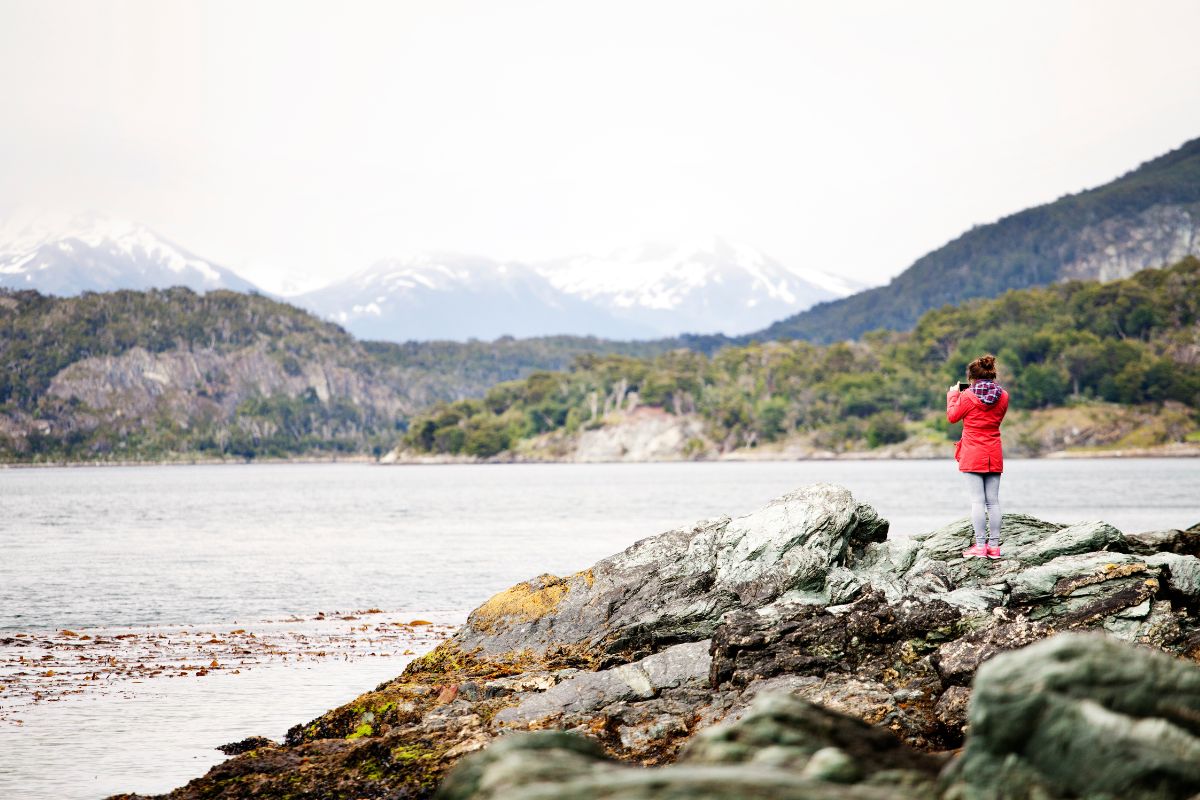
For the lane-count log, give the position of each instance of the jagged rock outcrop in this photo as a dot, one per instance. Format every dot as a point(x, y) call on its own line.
point(674, 587)
point(656, 644)
point(1076, 715)
point(782, 747)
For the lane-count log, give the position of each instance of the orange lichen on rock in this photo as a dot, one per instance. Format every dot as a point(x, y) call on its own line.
point(524, 602)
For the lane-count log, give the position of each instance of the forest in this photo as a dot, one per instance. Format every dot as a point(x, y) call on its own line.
point(1133, 341)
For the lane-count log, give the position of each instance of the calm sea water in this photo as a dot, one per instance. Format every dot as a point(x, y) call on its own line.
point(87, 547)
point(159, 545)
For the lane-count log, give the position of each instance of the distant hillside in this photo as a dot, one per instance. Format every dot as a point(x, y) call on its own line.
point(1145, 219)
point(174, 374)
point(1122, 356)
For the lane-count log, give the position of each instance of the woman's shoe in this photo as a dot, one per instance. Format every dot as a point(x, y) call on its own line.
point(978, 551)
point(993, 552)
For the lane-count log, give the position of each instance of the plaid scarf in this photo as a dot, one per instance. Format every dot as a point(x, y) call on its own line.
point(987, 391)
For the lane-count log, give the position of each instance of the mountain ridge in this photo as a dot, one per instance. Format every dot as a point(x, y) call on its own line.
point(1146, 218)
point(641, 292)
point(645, 291)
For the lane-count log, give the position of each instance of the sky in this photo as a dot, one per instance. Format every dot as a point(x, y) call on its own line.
point(298, 142)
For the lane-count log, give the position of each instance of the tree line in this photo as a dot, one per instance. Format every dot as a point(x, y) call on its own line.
point(1131, 341)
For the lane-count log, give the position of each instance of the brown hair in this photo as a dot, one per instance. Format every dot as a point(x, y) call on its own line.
point(982, 369)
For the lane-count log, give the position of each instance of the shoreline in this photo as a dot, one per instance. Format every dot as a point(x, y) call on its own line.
point(194, 462)
point(1179, 451)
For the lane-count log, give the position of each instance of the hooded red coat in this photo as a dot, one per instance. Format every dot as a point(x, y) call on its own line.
point(979, 449)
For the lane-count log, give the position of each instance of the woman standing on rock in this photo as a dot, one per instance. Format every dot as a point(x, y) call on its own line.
point(979, 454)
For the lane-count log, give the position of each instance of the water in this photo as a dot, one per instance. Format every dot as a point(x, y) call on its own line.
point(91, 547)
point(83, 547)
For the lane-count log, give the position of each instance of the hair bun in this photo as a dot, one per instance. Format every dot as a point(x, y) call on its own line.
point(982, 368)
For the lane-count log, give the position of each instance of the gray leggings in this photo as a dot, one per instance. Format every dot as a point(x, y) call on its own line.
point(983, 489)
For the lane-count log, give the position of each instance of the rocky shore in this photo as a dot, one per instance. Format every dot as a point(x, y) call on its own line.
point(795, 651)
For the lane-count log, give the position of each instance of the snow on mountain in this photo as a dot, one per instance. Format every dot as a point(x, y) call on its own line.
point(710, 286)
point(454, 296)
point(639, 292)
point(100, 254)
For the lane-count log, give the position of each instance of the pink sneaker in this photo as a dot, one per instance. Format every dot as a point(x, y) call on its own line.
point(977, 551)
point(993, 552)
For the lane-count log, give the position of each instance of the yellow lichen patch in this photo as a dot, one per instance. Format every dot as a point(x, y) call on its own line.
point(587, 576)
point(362, 730)
point(448, 663)
point(1106, 573)
point(524, 602)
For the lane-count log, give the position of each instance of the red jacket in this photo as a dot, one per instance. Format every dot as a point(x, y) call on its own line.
point(979, 449)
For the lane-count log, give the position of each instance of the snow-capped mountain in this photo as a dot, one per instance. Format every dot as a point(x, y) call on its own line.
point(454, 296)
point(101, 254)
point(638, 292)
point(710, 286)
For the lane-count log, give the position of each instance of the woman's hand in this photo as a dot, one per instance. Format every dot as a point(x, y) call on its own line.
point(953, 389)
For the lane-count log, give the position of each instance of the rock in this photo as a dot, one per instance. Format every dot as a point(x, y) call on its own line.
point(645, 434)
point(1017, 533)
point(246, 745)
point(1080, 715)
point(951, 708)
point(1079, 589)
point(1086, 537)
point(957, 661)
point(674, 587)
point(700, 627)
point(780, 730)
point(1181, 574)
point(517, 762)
point(889, 645)
point(781, 748)
point(641, 680)
point(1186, 542)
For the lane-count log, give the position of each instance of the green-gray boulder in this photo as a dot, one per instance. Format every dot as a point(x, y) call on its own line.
point(1081, 715)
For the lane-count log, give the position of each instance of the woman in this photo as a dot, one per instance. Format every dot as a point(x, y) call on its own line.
point(979, 454)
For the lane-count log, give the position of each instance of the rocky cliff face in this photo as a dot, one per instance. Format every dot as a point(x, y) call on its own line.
point(185, 381)
point(838, 663)
point(1120, 246)
point(251, 393)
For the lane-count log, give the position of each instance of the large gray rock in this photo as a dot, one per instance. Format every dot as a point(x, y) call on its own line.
point(1086, 537)
point(1018, 532)
point(1081, 715)
point(780, 730)
point(674, 587)
point(1181, 573)
point(1185, 542)
point(781, 748)
point(676, 666)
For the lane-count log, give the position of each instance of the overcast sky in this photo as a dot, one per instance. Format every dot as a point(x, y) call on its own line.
point(296, 142)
